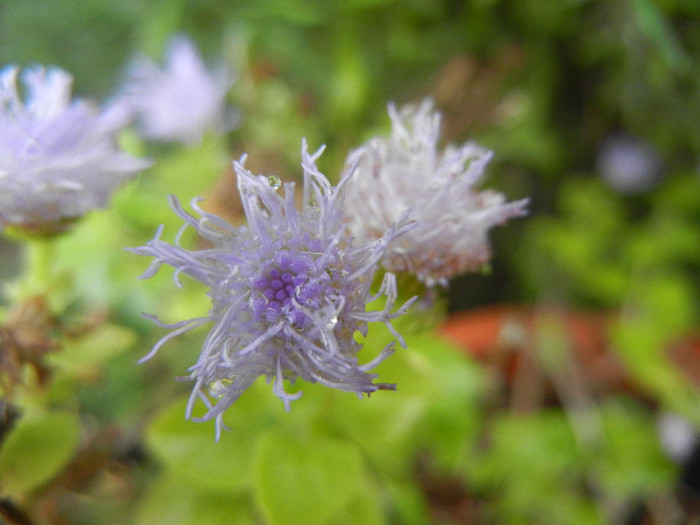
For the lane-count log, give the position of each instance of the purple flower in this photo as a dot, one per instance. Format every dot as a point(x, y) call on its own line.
point(181, 101)
point(289, 291)
point(58, 158)
point(406, 171)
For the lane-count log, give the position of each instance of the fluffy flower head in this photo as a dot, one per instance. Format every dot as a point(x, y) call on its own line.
point(289, 291)
point(182, 100)
point(406, 171)
point(58, 158)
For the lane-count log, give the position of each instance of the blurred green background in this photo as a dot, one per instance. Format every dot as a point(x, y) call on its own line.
point(551, 406)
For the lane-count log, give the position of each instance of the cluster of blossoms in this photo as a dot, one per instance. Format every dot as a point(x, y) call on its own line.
point(291, 288)
point(58, 157)
point(289, 291)
point(182, 100)
point(406, 171)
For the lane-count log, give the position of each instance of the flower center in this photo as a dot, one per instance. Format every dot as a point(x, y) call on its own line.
point(287, 286)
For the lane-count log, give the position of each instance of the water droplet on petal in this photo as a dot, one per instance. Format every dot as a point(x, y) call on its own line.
point(218, 387)
point(332, 322)
point(274, 181)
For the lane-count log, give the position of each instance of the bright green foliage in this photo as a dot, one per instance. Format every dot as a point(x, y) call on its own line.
point(433, 407)
point(185, 449)
point(533, 462)
point(536, 459)
point(301, 480)
point(169, 501)
point(632, 463)
point(37, 449)
point(84, 356)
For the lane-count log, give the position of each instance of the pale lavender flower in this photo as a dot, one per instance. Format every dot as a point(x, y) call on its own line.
point(629, 165)
point(406, 171)
point(289, 291)
point(677, 435)
point(58, 158)
point(181, 101)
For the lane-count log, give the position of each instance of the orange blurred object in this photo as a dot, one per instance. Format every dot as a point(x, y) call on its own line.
point(507, 337)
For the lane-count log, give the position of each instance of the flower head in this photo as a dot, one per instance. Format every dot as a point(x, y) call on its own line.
point(289, 291)
point(406, 171)
point(629, 165)
point(58, 158)
point(181, 101)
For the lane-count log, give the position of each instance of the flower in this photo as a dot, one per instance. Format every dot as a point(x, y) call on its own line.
point(629, 165)
point(289, 291)
point(406, 171)
point(183, 100)
point(58, 158)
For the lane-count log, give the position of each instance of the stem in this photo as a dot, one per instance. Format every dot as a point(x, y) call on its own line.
point(39, 271)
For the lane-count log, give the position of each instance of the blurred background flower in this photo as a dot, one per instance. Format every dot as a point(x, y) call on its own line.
point(182, 100)
point(58, 157)
point(629, 165)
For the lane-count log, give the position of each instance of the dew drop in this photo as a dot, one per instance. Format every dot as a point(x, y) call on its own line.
point(274, 181)
point(218, 388)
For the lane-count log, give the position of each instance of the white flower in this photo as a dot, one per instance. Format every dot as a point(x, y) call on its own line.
point(406, 171)
point(58, 158)
point(181, 101)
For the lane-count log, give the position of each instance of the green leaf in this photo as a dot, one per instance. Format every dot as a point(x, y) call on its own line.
point(641, 346)
point(190, 451)
point(386, 426)
point(186, 172)
point(350, 82)
point(531, 462)
point(305, 480)
point(435, 407)
point(37, 449)
point(661, 34)
point(409, 505)
point(191, 171)
point(170, 502)
point(82, 356)
point(633, 463)
point(363, 508)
